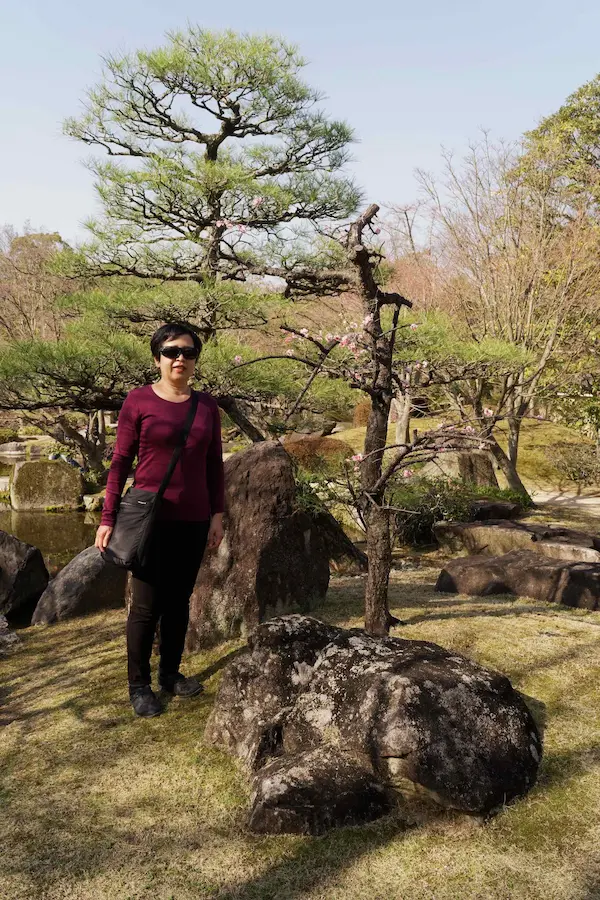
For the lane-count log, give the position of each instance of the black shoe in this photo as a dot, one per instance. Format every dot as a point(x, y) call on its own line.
point(180, 686)
point(144, 701)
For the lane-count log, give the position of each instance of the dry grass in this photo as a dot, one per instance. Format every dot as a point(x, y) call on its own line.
point(95, 805)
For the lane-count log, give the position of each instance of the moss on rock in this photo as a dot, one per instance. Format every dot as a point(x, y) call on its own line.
point(42, 484)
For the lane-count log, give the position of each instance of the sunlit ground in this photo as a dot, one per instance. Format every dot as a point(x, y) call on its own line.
point(96, 804)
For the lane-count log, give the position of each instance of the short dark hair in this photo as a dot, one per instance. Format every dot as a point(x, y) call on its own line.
point(168, 332)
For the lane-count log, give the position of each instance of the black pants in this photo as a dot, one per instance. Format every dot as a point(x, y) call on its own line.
point(161, 593)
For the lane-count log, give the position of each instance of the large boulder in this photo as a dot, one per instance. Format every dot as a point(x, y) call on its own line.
point(391, 708)
point(497, 537)
point(87, 584)
point(474, 466)
point(23, 577)
point(46, 484)
point(273, 558)
point(524, 574)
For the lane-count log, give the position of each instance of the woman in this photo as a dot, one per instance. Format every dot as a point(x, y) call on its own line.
point(190, 516)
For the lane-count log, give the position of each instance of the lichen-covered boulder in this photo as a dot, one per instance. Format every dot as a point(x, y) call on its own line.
point(9, 641)
point(273, 558)
point(409, 708)
point(85, 585)
point(46, 484)
point(23, 577)
point(315, 791)
point(525, 575)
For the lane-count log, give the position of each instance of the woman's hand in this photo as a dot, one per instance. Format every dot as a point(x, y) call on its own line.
point(215, 532)
point(103, 536)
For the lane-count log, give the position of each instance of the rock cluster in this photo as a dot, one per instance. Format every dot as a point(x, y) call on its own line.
point(524, 574)
point(330, 718)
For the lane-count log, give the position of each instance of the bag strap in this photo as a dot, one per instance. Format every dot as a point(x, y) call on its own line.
point(180, 445)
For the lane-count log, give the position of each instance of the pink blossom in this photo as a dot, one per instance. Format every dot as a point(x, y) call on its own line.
point(257, 201)
point(469, 429)
point(538, 417)
point(482, 447)
point(289, 339)
point(238, 359)
point(242, 228)
point(353, 325)
point(352, 347)
point(358, 457)
point(304, 332)
point(289, 352)
point(488, 413)
point(367, 320)
point(424, 363)
point(408, 473)
point(329, 337)
point(414, 326)
point(377, 230)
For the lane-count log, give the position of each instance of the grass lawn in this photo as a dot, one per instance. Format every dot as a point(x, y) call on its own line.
point(95, 805)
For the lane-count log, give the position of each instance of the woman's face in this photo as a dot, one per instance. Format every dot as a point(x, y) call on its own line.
point(180, 369)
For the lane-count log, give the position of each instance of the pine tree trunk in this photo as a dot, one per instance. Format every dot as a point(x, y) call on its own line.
point(514, 433)
point(508, 469)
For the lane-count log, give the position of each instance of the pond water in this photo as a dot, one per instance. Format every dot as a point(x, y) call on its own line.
point(60, 536)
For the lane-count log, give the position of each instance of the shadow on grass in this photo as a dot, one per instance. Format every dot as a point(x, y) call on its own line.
point(317, 862)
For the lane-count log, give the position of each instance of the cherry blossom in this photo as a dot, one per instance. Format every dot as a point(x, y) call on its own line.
point(329, 336)
point(238, 359)
point(469, 429)
point(304, 332)
point(358, 457)
point(414, 326)
point(488, 413)
point(408, 473)
point(289, 352)
point(367, 320)
point(257, 201)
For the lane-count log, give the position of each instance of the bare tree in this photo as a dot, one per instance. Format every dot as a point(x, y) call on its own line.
point(29, 288)
point(517, 258)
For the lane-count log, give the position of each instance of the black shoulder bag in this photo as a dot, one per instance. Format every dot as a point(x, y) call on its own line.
point(129, 541)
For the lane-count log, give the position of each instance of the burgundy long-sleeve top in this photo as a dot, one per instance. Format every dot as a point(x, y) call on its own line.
point(149, 428)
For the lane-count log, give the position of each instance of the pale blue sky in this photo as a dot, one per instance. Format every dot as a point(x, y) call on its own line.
point(408, 76)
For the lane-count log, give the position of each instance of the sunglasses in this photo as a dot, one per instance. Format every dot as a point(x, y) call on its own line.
point(176, 352)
